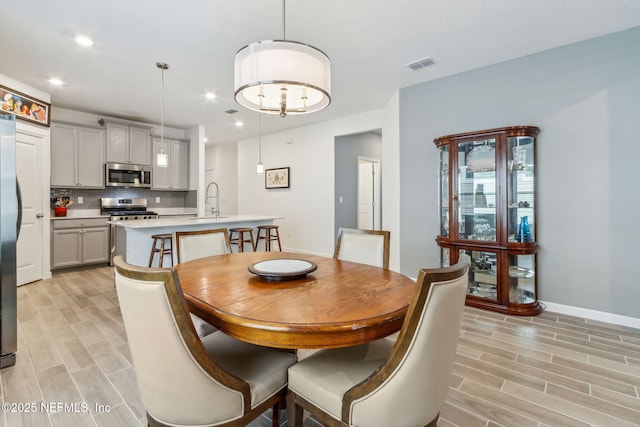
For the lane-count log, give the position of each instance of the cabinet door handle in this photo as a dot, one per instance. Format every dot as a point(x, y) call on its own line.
point(40, 215)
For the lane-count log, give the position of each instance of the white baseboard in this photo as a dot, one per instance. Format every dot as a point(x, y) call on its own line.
point(601, 316)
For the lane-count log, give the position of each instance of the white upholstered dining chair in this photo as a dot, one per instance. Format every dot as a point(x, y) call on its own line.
point(196, 244)
point(185, 380)
point(189, 245)
point(383, 383)
point(363, 246)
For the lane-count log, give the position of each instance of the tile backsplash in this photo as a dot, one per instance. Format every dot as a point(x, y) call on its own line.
point(91, 198)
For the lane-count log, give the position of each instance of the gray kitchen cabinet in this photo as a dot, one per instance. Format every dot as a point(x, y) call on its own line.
point(128, 144)
point(180, 169)
point(76, 242)
point(77, 156)
point(175, 176)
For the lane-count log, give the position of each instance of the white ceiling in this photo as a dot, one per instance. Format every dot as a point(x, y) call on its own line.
point(369, 43)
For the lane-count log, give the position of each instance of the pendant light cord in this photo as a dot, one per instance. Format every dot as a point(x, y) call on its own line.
point(162, 109)
point(260, 138)
point(163, 66)
point(284, 21)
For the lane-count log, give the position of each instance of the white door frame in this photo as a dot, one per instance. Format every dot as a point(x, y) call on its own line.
point(377, 193)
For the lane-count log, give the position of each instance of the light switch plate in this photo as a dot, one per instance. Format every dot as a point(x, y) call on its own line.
point(80, 200)
point(157, 199)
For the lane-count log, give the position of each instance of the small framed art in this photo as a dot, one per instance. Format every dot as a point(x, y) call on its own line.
point(276, 178)
point(24, 106)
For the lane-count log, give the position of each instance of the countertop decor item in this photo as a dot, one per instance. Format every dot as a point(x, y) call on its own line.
point(60, 205)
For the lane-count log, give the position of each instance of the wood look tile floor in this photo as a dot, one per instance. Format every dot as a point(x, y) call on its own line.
point(74, 368)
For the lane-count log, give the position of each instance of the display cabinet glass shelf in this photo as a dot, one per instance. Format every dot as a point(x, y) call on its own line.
point(487, 189)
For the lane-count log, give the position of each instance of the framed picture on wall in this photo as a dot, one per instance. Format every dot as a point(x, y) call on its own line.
point(276, 178)
point(25, 107)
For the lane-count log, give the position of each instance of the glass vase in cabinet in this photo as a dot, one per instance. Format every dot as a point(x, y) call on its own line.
point(487, 210)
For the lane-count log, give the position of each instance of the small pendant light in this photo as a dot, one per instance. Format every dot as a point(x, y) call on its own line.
point(162, 158)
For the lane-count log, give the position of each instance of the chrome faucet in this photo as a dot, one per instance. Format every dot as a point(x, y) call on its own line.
point(214, 210)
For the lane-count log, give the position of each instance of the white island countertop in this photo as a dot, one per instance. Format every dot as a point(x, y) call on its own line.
point(132, 239)
point(189, 221)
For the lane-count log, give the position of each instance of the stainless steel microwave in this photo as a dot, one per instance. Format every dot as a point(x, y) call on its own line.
point(127, 175)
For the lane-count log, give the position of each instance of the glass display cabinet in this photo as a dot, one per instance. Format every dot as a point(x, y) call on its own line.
point(487, 188)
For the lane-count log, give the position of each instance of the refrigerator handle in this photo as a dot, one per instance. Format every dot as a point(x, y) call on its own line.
point(19, 196)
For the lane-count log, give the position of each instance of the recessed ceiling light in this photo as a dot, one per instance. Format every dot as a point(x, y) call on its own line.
point(56, 82)
point(84, 41)
point(210, 95)
point(239, 124)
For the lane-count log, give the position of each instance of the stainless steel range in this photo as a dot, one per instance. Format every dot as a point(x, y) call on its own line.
point(124, 210)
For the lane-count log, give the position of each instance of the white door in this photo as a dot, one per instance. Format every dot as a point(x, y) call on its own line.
point(369, 194)
point(30, 245)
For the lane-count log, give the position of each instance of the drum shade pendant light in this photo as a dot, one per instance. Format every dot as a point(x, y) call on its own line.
point(162, 158)
point(282, 77)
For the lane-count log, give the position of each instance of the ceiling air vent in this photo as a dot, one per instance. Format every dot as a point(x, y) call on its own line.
point(231, 111)
point(421, 63)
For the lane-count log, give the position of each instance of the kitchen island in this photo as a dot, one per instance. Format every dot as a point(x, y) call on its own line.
point(132, 239)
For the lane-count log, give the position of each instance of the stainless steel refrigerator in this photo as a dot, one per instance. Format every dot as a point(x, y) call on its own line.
point(10, 218)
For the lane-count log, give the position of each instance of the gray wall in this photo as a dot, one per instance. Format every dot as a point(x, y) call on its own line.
point(585, 98)
point(347, 150)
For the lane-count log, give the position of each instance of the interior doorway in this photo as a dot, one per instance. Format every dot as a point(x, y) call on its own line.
point(349, 151)
point(369, 209)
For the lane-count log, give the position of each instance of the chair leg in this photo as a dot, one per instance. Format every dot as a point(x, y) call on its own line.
point(153, 252)
point(294, 412)
point(253, 243)
point(434, 422)
point(275, 414)
point(161, 254)
point(278, 238)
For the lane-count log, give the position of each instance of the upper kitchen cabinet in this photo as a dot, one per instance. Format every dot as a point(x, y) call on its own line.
point(174, 176)
point(128, 144)
point(77, 156)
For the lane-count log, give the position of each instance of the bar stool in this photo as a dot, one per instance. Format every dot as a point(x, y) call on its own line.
point(271, 234)
point(237, 237)
point(162, 238)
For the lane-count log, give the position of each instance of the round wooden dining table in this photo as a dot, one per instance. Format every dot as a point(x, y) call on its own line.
point(339, 304)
